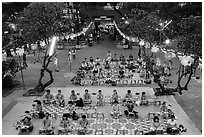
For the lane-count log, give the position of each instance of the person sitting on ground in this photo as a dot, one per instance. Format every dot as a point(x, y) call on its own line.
point(97, 61)
point(60, 99)
point(139, 60)
point(100, 98)
point(156, 124)
point(87, 97)
point(73, 96)
point(65, 125)
point(91, 59)
point(27, 125)
point(49, 98)
point(47, 124)
point(109, 55)
point(130, 57)
point(115, 57)
point(114, 96)
point(128, 97)
point(163, 107)
point(83, 124)
point(121, 73)
point(130, 110)
point(116, 110)
point(39, 110)
point(172, 126)
point(144, 100)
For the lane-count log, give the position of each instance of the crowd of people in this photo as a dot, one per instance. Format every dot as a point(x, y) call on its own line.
point(129, 101)
point(114, 68)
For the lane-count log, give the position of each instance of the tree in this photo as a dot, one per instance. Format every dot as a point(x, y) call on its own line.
point(188, 32)
point(42, 20)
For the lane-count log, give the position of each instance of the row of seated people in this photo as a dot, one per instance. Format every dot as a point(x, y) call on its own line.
point(87, 98)
point(66, 125)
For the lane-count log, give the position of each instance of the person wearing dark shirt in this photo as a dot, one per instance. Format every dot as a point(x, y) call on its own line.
point(130, 110)
point(25, 65)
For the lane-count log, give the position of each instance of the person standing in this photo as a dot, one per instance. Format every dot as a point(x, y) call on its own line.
point(56, 63)
point(74, 53)
point(25, 65)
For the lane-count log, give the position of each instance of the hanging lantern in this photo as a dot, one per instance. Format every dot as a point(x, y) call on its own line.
point(147, 45)
point(141, 43)
point(187, 60)
point(154, 49)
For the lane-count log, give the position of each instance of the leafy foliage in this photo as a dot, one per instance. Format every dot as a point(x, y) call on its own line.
point(40, 21)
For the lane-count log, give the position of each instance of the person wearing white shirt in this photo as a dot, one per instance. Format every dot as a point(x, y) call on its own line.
point(115, 110)
point(172, 126)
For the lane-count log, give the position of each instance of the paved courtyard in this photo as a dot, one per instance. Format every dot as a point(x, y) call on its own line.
point(187, 107)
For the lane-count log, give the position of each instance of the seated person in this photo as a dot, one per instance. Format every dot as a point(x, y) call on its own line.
point(156, 124)
point(38, 110)
point(84, 125)
point(114, 96)
point(130, 57)
point(87, 97)
point(128, 97)
point(84, 65)
point(47, 124)
point(100, 98)
point(107, 66)
point(116, 110)
point(172, 126)
point(70, 107)
point(73, 96)
point(60, 99)
point(137, 99)
point(139, 60)
point(27, 125)
point(91, 60)
point(163, 107)
point(76, 79)
point(65, 125)
point(144, 100)
point(115, 57)
point(49, 98)
point(130, 110)
point(97, 61)
point(121, 73)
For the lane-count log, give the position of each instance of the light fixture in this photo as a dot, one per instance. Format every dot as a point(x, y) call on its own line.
point(126, 22)
point(52, 46)
point(167, 41)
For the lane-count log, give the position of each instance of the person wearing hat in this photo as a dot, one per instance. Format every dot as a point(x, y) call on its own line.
point(87, 97)
point(100, 98)
point(27, 125)
point(60, 99)
point(49, 98)
point(116, 110)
